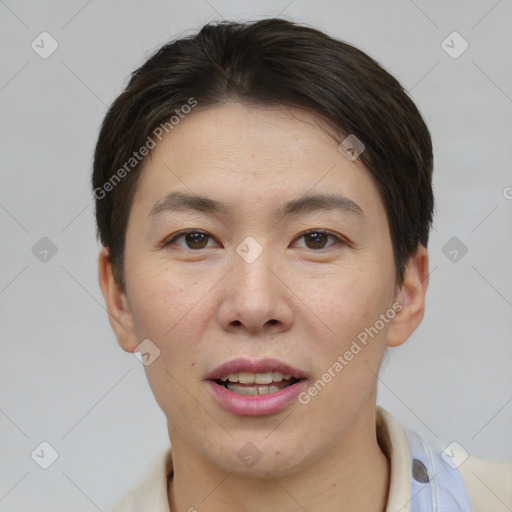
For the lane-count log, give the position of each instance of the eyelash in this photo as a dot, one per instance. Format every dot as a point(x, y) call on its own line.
point(182, 234)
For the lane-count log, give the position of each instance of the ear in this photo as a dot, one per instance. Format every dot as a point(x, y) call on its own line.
point(411, 296)
point(119, 313)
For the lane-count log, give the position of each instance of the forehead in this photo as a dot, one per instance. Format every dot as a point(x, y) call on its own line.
point(244, 154)
point(253, 133)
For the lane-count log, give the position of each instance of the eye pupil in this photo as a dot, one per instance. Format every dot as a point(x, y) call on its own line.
point(318, 239)
point(196, 238)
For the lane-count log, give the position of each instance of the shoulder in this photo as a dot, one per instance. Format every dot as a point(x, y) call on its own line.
point(488, 484)
point(151, 492)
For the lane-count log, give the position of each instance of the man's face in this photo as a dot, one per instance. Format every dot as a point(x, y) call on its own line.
point(255, 282)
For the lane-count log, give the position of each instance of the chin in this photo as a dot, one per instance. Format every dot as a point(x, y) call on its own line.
point(260, 457)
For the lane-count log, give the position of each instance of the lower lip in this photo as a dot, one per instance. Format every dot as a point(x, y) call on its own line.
point(256, 405)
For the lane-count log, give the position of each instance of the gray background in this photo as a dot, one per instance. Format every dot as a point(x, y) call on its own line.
point(63, 378)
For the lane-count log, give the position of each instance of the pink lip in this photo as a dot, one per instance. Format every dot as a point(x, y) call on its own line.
point(262, 366)
point(255, 405)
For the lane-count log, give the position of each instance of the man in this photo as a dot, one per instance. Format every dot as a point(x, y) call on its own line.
point(263, 198)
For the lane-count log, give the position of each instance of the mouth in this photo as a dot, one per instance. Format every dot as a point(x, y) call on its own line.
point(255, 384)
point(253, 388)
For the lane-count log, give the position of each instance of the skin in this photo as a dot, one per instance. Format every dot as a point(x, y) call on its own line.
point(297, 303)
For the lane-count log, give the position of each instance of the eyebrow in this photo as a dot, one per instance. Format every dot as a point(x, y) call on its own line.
point(179, 201)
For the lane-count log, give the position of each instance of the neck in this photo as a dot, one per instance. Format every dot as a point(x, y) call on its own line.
point(353, 474)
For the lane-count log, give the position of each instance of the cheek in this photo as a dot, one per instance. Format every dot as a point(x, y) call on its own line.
point(165, 301)
point(349, 298)
point(349, 355)
point(350, 350)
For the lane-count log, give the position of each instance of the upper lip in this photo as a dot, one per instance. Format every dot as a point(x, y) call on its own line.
point(260, 366)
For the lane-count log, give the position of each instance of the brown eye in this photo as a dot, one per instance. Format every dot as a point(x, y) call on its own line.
point(196, 240)
point(318, 240)
point(192, 240)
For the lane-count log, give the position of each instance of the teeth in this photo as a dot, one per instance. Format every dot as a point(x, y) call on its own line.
point(255, 378)
point(277, 376)
point(253, 390)
point(243, 390)
point(263, 378)
point(246, 378)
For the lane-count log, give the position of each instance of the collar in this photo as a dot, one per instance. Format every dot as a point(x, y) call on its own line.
point(151, 493)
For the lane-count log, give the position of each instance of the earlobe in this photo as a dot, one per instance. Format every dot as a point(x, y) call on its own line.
point(411, 296)
point(119, 312)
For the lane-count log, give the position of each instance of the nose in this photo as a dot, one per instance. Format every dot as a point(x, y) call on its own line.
point(255, 297)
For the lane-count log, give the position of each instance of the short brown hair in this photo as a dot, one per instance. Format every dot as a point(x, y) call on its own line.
point(271, 62)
